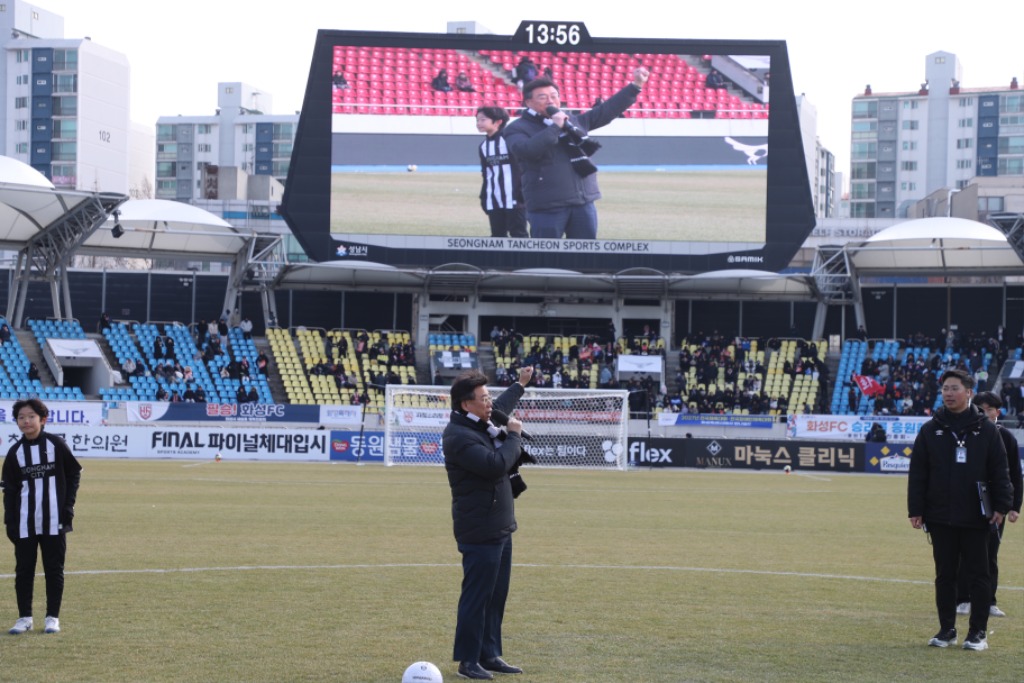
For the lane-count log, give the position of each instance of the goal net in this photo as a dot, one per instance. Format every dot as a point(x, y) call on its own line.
point(586, 428)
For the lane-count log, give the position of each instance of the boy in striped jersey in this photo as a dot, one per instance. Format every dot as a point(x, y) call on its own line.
point(501, 196)
point(40, 484)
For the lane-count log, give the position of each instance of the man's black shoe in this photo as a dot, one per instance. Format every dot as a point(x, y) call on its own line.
point(500, 666)
point(474, 671)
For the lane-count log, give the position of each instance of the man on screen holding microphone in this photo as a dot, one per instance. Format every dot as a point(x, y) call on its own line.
point(482, 462)
point(554, 149)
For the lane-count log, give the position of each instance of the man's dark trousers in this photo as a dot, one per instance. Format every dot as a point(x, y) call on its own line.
point(486, 570)
point(966, 550)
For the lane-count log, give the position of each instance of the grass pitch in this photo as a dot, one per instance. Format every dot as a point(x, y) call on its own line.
point(705, 206)
point(242, 571)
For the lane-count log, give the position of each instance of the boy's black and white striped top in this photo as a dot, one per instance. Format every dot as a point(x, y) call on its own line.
point(501, 179)
point(40, 484)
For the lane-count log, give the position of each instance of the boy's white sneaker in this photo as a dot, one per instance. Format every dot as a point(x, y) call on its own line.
point(21, 625)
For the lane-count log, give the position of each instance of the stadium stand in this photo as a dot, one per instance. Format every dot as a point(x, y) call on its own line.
point(396, 81)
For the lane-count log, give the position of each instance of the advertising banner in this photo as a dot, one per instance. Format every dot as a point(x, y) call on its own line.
point(351, 446)
point(61, 412)
point(713, 420)
point(746, 454)
point(898, 428)
point(162, 411)
point(886, 458)
point(110, 441)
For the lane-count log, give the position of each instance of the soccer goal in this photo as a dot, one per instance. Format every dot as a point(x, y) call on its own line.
point(586, 428)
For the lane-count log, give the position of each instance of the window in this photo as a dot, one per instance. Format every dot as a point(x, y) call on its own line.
point(863, 170)
point(990, 204)
point(283, 131)
point(21, 103)
point(65, 151)
point(964, 143)
point(228, 90)
point(204, 129)
point(280, 169)
point(282, 149)
point(65, 129)
point(165, 169)
point(1011, 144)
point(864, 150)
point(862, 209)
point(21, 148)
point(862, 190)
point(65, 106)
point(65, 83)
point(166, 149)
point(22, 56)
point(164, 132)
point(63, 174)
point(961, 184)
point(911, 187)
point(965, 123)
point(203, 148)
point(964, 163)
point(865, 109)
point(248, 128)
point(165, 187)
point(910, 104)
point(1012, 103)
point(966, 101)
point(909, 145)
point(21, 124)
point(248, 147)
point(1011, 166)
point(911, 125)
point(22, 79)
point(65, 60)
point(908, 166)
point(864, 129)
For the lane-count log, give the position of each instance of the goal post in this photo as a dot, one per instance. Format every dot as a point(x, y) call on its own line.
point(580, 428)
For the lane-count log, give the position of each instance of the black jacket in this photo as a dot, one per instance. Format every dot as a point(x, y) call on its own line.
point(943, 491)
point(482, 505)
point(1016, 476)
point(549, 180)
point(49, 463)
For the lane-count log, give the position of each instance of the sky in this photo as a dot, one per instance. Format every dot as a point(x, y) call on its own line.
point(179, 51)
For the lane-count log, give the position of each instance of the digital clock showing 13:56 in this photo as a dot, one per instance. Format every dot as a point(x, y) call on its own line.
point(559, 33)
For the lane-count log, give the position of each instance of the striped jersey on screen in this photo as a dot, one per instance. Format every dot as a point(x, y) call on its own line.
point(499, 176)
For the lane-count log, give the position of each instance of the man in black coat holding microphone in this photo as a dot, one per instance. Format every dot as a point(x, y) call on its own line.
point(554, 149)
point(481, 461)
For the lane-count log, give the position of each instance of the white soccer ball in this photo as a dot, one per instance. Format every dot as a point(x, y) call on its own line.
point(411, 168)
point(422, 672)
point(787, 469)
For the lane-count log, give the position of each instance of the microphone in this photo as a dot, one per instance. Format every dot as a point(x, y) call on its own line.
point(501, 419)
point(569, 126)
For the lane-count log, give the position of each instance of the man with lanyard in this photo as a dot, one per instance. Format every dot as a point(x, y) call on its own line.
point(957, 487)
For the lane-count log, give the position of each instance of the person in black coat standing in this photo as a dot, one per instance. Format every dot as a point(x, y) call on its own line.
point(990, 404)
point(956, 453)
point(481, 460)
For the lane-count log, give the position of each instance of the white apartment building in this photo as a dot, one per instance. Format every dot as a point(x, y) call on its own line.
point(66, 104)
point(232, 163)
point(906, 146)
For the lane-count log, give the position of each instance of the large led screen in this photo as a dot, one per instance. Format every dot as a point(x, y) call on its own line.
point(703, 170)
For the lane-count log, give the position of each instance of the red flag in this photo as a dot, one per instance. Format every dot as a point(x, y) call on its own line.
point(868, 385)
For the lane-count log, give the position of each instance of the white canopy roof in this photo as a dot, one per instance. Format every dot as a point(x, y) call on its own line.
point(158, 227)
point(945, 246)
